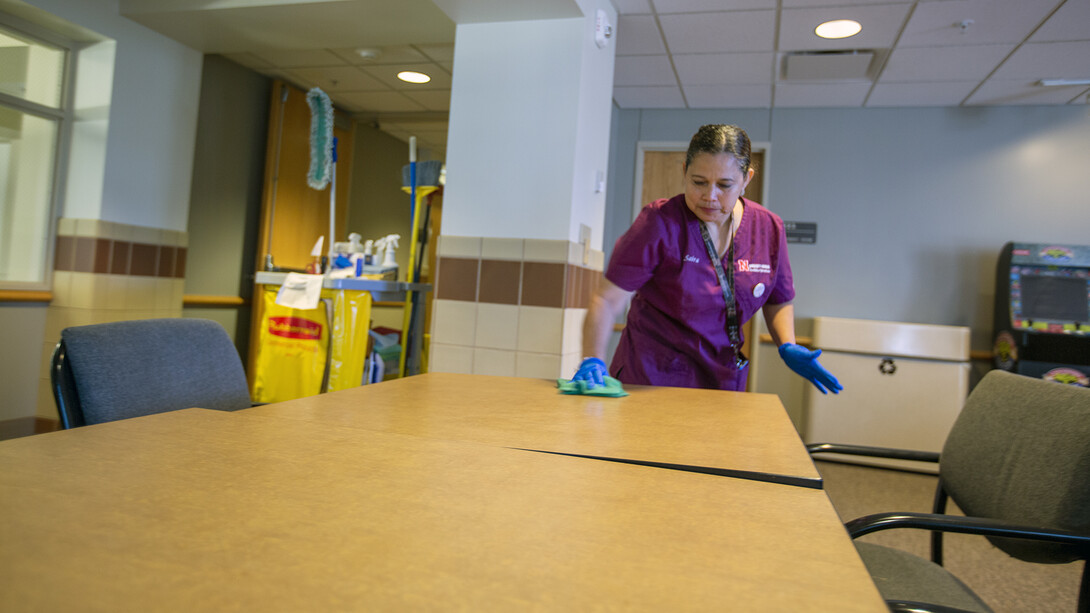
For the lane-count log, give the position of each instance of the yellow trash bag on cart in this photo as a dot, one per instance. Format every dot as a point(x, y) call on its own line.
point(303, 352)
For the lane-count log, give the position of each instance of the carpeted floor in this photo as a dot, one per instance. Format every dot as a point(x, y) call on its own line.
point(1006, 584)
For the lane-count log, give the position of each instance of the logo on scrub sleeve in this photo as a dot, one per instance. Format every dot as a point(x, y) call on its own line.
point(295, 327)
point(689, 258)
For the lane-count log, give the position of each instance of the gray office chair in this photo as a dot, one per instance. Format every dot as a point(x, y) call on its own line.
point(111, 371)
point(1017, 463)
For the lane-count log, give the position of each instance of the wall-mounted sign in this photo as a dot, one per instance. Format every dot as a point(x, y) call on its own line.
point(801, 232)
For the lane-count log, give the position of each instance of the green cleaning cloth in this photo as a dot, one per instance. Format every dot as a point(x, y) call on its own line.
point(612, 388)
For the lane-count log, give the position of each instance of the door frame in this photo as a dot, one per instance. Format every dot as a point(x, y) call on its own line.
point(644, 146)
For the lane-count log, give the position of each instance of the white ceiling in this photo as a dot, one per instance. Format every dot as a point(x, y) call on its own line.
point(670, 53)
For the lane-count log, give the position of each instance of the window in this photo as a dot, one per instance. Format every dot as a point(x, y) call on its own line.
point(33, 115)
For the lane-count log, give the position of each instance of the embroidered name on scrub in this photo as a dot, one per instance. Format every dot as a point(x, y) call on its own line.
point(689, 258)
point(745, 266)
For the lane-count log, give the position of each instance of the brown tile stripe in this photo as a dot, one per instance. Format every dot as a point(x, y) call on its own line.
point(546, 284)
point(102, 255)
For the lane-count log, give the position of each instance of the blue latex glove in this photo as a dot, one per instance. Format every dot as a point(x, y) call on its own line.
point(593, 371)
point(804, 362)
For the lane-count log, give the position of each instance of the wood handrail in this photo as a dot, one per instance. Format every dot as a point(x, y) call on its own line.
point(19, 295)
point(191, 300)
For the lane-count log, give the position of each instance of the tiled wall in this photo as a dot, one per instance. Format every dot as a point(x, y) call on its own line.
point(511, 307)
point(105, 271)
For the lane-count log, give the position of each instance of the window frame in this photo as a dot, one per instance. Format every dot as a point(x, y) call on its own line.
point(63, 115)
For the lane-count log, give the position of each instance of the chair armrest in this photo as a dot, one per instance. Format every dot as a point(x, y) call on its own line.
point(965, 525)
point(874, 452)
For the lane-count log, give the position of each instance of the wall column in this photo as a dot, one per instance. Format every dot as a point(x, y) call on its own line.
point(524, 202)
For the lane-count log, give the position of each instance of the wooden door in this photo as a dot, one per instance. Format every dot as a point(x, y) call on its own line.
point(294, 215)
point(664, 177)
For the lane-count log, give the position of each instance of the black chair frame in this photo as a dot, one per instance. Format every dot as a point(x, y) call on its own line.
point(64, 389)
point(939, 523)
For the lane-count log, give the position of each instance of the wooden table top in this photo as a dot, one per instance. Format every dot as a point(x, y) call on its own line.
point(727, 432)
point(204, 510)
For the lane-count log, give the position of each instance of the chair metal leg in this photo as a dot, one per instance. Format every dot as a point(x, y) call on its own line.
point(939, 506)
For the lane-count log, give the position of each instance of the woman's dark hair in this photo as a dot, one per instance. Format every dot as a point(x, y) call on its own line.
point(721, 138)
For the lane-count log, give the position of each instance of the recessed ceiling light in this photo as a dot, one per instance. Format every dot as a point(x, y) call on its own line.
point(840, 28)
point(413, 77)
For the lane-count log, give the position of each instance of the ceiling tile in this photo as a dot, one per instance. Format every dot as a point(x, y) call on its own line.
point(1047, 61)
point(949, 93)
point(298, 58)
point(648, 97)
point(881, 24)
point(821, 94)
point(994, 21)
point(626, 7)
point(827, 3)
point(728, 96)
point(719, 32)
point(1013, 92)
point(381, 102)
point(943, 63)
point(719, 68)
point(387, 73)
point(338, 79)
point(699, 6)
point(438, 53)
point(637, 70)
point(392, 54)
point(1070, 22)
point(437, 100)
point(639, 35)
point(248, 60)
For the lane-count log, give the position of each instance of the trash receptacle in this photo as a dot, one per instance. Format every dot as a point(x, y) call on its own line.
point(904, 385)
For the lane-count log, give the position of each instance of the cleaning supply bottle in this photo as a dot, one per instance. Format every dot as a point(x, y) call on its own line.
point(368, 252)
point(388, 255)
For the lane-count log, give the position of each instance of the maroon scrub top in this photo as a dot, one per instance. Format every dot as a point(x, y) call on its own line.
point(676, 332)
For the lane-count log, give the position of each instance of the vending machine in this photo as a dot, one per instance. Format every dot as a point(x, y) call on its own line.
point(1042, 312)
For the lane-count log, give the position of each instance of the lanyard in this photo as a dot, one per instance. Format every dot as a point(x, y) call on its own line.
point(726, 283)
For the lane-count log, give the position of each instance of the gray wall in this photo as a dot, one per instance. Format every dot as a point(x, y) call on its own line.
point(912, 205)
point(226, 191)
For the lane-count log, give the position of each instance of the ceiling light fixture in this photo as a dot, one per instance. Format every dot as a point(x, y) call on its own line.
point(368, 53)
point(840, 28)
point(413, 77)
point(1062, 82)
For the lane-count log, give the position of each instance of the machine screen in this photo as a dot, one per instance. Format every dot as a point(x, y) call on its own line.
point(1054, 298)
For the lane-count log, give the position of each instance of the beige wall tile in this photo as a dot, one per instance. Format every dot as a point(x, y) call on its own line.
point(459, 246)
point(56, 319)
point(82, 289)
point(62, 288)
point(538, 365)
point(501, 249)
point(146, 235)
point(497, 326)
point(493, 362)
point(89, 227)
point(454, 322)
point(164, 294)
point(572, 341)
point(575, 254)
point(540, 329)
point(142, 293)
point(66, 226)
point(569, 363)
point(117, 287)
point(597, 260)
point(450, 358)
point(542, 250)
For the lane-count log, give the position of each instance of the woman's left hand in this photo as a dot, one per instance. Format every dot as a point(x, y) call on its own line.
point(804, 362)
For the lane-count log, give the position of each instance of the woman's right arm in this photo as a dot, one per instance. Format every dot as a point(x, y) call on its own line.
point(607, 304)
